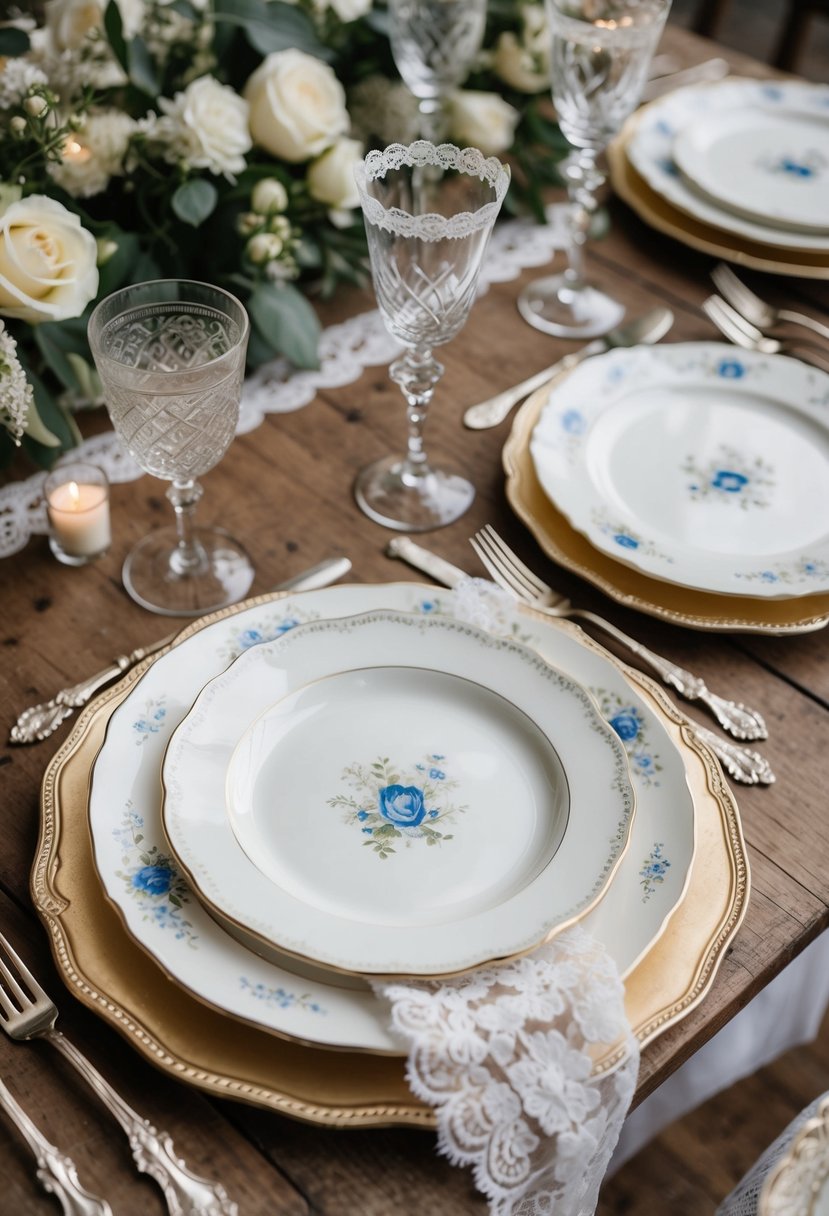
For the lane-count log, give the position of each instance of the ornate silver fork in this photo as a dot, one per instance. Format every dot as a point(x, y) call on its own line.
point(742, 333)
point(26, 1012)
point(759, 312)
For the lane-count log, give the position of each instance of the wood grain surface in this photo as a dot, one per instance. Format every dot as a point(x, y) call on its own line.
point(285, 490)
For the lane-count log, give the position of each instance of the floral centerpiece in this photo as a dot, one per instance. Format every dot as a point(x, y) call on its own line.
point(211, 139)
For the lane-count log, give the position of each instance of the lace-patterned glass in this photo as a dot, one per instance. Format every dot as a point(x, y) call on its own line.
point(601, 50)
point(429, 211)
point(171, 357)
point(434, 44)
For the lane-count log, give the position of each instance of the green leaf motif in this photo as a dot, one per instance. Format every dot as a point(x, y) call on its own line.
point(195, 200)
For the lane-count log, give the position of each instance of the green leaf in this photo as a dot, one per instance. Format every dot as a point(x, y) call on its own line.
point(286, 321)
point(13, 42)
point(115, 33)
point(195, 200)
point(55, 340)
point(272, 27)
point(116, 270)
point(141, 67)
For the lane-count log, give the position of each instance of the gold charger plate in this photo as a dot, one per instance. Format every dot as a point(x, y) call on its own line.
point(110, 973)
point(665, 217)
point(679, 605)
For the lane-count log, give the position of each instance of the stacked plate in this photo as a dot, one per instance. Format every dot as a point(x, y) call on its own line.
point(371, 787)
point(739, 169)
point(687, 480)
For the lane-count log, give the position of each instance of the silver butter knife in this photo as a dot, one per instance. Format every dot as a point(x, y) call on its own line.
point(742, 763)
point(39, 721)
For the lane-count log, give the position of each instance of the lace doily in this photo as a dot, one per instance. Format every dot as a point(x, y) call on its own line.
point(346, 350)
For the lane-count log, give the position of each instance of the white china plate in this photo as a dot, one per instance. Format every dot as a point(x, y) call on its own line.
point(160, 911)
point(366, 828)
point(770, 163)
point(651, 150)
point(695, 463)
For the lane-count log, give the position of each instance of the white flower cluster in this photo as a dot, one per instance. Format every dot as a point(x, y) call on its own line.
point(271, 240)
point(17, 78)
point(524, 63)
point(204, 127)
point(97, 155)
point(15, 390)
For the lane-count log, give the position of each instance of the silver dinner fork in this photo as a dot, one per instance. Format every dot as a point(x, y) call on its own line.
point(26, 1012)
point(514, 576)
point(759, 312)
point(742, 333)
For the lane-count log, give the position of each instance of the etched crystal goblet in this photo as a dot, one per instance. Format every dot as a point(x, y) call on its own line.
point(171, 357)
point(429, 211)
point(601, 50)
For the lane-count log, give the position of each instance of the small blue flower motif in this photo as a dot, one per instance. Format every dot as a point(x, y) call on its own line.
point(644, 763)
point(626, 724)
point(433, 814)
point(663, 127)
point(809, 568)
point(668, 167)
point(428, 606)
point(250, 637)
point(402, 805)
point(361, 815)
point(437, 774)
point(290, 622)
point(796, 168)
point(368, 831)
point(155, 880)
point(421, 768)
point(771, 93)
point(768, 576)
point(435, 756)
point(731, 369)
point(626, 542)
point(728, 480)
point(573, 422)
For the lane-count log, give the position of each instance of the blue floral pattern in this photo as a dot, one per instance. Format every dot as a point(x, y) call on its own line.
point(626, 538)
point(267, 630)
point(730, 476)
point(800, 572)
point(280, 998)
point(654, 870)
point(807, 167)
point(151, 720)
point(394, 807)
point(152, 879)
point(629, 725)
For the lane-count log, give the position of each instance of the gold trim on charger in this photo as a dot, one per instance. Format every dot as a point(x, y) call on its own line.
point(679, 605)
point(659, 213)
point(108, 971)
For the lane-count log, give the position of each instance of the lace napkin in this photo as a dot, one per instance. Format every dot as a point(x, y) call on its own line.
point(506, 1053)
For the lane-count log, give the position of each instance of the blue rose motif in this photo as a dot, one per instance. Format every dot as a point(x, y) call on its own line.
point(402, 805)
point(728, 480)
point(250, 637)
point(290, 622)
point(625, 541)
point(427, 606)
point(731, 369)
point(768, 576)
point(573, 422)
point(155, 880)
point(626, 724)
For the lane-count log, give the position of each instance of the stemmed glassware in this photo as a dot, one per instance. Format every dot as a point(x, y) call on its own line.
point(434, 44)
point(601, 50)
point(429, 211)
point(171, 357)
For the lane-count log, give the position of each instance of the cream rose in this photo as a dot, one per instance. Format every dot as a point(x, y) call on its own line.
point(524, 63)
point(482, 120)
point(331, 176)
point(297, 105)
point(206, 126)
point(350, 10)
point(69, 22)
point(48, 266)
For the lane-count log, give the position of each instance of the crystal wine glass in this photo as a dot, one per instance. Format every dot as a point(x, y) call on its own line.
point(171, 357)
point(601, 50)
point(434, 44)
point(429, 212)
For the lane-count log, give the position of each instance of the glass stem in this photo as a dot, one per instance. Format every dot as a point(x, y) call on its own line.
point(432, 119)
point(188, 557)
point(417, 373)
point(583, 181)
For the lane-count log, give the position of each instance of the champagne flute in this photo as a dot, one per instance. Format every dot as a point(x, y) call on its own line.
point(429, 212)
point(171, 357)
point(601, 50)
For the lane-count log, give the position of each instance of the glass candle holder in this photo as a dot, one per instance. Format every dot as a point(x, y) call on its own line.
point(77, 503)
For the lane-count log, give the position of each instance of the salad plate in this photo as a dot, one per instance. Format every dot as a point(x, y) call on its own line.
point(195, 1040)
point(363, 822)
point(157, 907)
point(696, 465)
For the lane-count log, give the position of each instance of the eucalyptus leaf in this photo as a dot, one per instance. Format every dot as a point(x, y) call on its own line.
point(286, 321)
point(195, 200)
point(114, 29)
point(141, 67)
point(272, 27)
point(13, 41)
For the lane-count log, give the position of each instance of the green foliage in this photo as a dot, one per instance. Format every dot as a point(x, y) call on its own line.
point(285, 322)
point(195, 200)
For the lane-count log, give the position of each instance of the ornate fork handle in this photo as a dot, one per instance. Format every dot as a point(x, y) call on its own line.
point(736, 718)
point(739, 762)
point(186, 1193)
point(56, 1172)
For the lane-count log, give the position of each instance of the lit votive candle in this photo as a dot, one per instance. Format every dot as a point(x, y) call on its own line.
point(77, 503)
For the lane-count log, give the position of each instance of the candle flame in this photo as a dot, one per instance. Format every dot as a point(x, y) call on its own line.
point(74, 494)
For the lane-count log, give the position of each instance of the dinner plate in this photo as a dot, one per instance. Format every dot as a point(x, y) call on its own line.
point(695, 464)
point(159, 910)
point(423, 798)
point(678, 605)
point(659, 124)
point(103, 966)
point(767, 162)
point(664, 217)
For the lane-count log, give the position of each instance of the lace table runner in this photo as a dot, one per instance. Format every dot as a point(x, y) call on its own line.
point(346, 350)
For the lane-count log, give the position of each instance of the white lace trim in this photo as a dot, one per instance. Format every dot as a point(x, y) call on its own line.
point(346, 350)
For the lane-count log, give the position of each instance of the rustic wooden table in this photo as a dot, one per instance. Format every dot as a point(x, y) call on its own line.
point(286, 490)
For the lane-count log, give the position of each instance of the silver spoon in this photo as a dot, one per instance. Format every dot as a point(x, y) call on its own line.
point(647, 329)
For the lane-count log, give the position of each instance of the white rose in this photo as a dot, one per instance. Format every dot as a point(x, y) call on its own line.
point(48, 266)
point(206, 126)
point(69, 22)
point(520, 66)
point(297, 105)
point(331, 176)
point(350, 10)
point(482, 120)
point(269, 195)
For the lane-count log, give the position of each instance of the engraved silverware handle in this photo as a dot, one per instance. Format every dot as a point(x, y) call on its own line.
point(56, 1172)
point(489, 413)
point(738, 719)
point(428, 563)
point(186, 1193)
point(741, 763)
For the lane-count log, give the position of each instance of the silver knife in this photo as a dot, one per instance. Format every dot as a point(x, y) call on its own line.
point(742, 763)
point(39, 721)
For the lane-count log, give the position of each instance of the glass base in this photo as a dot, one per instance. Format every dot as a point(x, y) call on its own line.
point(554, 307)
point(224, 577)
point(411, 504)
